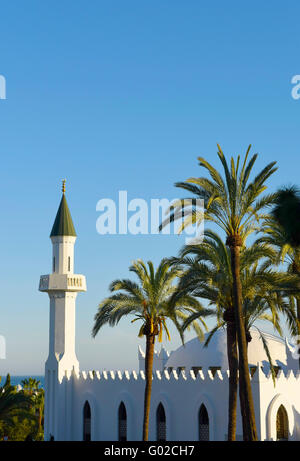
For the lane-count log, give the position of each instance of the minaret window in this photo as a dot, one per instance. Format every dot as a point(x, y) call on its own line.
point(53, 264)
point(69, 263)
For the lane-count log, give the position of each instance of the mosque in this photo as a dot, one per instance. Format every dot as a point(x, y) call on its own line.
point(190, 385)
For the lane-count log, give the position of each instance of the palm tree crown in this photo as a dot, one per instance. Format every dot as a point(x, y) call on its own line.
point(148, 301)
point(231, 202)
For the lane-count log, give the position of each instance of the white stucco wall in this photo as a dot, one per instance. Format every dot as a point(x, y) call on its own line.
point(181, 397)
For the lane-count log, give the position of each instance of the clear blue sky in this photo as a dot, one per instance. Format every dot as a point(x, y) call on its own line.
point(125, 95)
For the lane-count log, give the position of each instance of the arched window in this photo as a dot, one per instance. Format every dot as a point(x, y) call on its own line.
point(86, 422)
point(161, 429)
point(122, 423)
point(282, 424)
point(203, 424)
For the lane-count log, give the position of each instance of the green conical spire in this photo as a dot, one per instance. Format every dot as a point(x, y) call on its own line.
point(63, 224)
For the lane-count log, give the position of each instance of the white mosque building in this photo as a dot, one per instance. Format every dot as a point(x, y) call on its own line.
point(190, 385)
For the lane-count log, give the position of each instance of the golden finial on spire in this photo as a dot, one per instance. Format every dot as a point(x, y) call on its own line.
point(64, 186)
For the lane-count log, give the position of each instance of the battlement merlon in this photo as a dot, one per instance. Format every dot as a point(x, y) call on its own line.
point(184, 375)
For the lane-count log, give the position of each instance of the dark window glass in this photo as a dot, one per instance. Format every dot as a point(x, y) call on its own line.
point(161, 429)
point(203, 424)
point(86, 422)
point(122, 423)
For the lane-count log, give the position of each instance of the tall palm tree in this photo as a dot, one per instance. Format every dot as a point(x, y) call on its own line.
point(208, 275)
point(235, 205)
point(148, 301)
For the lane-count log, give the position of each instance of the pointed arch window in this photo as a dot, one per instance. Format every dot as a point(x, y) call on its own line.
point(161, 428)
point(282, 424)
point(122, 414)
point(86, 422)
point(203, 424)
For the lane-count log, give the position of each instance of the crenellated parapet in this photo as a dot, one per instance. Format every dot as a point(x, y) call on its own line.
point(182, 376)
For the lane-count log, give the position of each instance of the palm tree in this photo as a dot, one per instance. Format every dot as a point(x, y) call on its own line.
point(234, 204)
point(288, 251)
point(208, 276)
point(148, 301)
point(31, 385)
point(13, 404)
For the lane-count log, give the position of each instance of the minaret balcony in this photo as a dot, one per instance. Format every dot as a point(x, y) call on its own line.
point(62, 282)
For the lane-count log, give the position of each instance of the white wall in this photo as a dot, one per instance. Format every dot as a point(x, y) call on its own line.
point(180, 397)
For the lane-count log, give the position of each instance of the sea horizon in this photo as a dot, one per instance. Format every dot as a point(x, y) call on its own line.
point(17, 379)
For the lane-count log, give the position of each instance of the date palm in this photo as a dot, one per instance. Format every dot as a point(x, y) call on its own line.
point(235, 204)
point(208, 275)
point(149, 302)
point(287, 251)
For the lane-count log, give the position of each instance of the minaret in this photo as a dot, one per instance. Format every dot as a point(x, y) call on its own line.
point(62, 286)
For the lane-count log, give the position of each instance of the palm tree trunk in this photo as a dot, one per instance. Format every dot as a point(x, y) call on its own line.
point(241, 394)
point(247, 410)
point(150, 340)
point(233, 379)
point(40, 419)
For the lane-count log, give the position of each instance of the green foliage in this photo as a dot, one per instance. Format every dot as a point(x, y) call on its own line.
point(276, 237)
point(21, 412)
point(19, 430)
point(287, 213)
point(31, 385)
point(149, 301)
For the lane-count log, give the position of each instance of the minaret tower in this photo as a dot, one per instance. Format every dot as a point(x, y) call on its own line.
point(62, 286)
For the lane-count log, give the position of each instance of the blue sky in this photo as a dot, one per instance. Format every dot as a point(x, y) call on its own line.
point(125, 96)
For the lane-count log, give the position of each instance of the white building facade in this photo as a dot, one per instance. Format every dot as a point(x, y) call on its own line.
point(190, 386)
